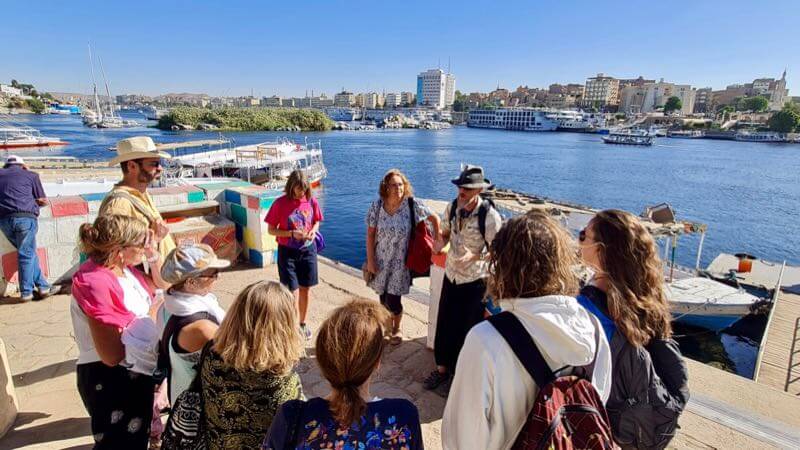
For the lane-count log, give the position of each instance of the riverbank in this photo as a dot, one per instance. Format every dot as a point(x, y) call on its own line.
point(245, 119)
point(726, 411)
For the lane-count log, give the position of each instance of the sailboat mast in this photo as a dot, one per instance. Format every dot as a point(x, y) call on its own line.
point(94, 86)
point(108, 91)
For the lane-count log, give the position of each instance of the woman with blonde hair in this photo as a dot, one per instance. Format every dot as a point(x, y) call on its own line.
point(349, 349)
point(531, 276)
point(626, 293)
point(248, 371)
point(388, 231)
point(113, 313)
point(294, 219)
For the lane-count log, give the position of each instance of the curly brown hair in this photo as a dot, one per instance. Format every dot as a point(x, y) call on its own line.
point(531, 256)
point(629, 257)
point(383, 190)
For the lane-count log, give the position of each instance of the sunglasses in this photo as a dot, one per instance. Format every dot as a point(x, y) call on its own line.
point(151, 164)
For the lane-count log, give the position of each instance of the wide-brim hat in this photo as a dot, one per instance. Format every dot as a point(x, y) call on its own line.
point(190, 260)
point(14, 159)
point(472, 178)
point(138, 147)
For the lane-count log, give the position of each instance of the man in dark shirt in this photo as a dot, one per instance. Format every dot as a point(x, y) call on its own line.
point(21, 194)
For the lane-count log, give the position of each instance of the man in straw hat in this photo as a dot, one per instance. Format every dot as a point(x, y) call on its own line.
point(470, 224)
point(140, 161)
point(21, 195)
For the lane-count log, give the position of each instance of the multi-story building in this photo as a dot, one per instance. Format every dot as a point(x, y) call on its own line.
point(407, 98)
point(287, 103)
point(648, 97)
point(272, 102)
point(575, 90)
point(436, 89)
point(320, 102)
point(774, 90)
point(344, 99)
point(370, 100)
point(703, 101)
point(601, 92)
point(560, 101)
point(392, 100)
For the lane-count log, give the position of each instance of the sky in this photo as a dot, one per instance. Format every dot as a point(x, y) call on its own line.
point(267, 47)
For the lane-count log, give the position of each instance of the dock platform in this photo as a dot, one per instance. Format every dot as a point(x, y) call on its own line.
point(779, 364)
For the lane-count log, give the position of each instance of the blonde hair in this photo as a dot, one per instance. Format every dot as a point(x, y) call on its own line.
point(531, 256)
point(297, 178)
point(629, 257)
point(261, 330)
point(383, 190)
point(108, 233)
point(349, 348)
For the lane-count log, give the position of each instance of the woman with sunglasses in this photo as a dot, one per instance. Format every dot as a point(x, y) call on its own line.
point(113, 315)
point(193, 312)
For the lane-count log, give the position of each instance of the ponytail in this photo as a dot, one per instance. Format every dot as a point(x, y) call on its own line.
point(347, 405)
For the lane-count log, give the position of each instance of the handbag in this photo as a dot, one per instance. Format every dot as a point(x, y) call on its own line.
point(319, 241)
point(184, 425)
point(420, 245)
point(366, 274)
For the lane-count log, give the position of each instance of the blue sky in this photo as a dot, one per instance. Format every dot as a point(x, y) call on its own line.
point(231, 47)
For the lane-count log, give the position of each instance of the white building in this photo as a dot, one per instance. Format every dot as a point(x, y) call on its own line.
point(392, 100)
point(407, 98)
point(601, 91)
point(370, 100)
point(651, 96)
point(344, 99)
point(435, 88)
point(10, 91)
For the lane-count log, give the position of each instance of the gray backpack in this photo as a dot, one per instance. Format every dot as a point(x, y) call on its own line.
point(649, 387)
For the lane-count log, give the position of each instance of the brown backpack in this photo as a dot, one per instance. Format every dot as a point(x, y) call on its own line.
point(568, 412)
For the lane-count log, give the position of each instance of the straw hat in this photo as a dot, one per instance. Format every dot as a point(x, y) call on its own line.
point(138, 147)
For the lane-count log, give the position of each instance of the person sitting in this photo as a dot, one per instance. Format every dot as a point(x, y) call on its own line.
point(248, 371)
point(349, 349)
point(113, 313)
point(194, 314)
point(531, 276)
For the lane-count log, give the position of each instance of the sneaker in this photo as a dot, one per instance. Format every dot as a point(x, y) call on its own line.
point(305, 331)
point(26, 298)
point(396, 338)
point(434, 380)
point(41, 294)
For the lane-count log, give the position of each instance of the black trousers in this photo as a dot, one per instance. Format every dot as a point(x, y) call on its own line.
point(460, 308)
point(393, 303)
point(120, 405)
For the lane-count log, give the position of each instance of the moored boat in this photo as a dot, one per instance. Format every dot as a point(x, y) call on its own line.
point(686, 134)
point(759, 136)
point(629, 137)
point(22, 137)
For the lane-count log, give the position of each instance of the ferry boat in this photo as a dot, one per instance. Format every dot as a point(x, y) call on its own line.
point(759, 136)
point(686, 134)
point(152, 112)
point(22, 137)
point(268, 163)
point(629, 137)
point(576, 121)
point(521, 119)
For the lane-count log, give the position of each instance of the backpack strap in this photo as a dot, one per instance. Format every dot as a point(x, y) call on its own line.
point(483, 211)
point(412, 217)
point(136, 203)
point(524, 348)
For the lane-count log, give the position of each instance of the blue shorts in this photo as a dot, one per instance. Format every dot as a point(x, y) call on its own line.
point(297, 267)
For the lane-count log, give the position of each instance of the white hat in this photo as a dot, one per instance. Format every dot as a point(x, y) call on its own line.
point(138, 147)
point(14, 159)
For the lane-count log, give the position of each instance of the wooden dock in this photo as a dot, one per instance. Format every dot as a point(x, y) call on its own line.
point(779, 362)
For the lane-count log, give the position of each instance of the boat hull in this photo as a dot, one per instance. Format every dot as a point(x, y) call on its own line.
point(716, 323)
point(32, 144)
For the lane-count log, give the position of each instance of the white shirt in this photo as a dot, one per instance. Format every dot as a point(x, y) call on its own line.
point(492, 393)
point(465, 234)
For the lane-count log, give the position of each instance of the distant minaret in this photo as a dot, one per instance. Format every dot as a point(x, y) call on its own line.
point(783, 78)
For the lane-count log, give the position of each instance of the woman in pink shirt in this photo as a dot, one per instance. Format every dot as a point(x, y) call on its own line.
point(113, 315)
point(294, 218)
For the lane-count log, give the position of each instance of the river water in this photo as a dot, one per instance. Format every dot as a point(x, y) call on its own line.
point(747, 193)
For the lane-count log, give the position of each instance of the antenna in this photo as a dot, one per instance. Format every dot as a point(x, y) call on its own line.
point(94, 84)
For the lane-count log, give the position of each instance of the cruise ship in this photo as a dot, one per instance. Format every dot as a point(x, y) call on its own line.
point(522, 119)
point(577, 121)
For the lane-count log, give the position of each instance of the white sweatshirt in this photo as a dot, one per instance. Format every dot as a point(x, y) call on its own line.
point(492, 393)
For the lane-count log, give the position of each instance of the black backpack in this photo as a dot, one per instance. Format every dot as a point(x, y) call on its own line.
point(649, 389)
point(483, 211)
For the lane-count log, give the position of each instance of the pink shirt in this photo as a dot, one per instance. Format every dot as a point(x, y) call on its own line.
point(99, 294)
point(289, 214)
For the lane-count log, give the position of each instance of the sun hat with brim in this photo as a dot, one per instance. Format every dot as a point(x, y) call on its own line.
point(187, 261)
point(14, 159)
point(138, 147)
point(472, 178)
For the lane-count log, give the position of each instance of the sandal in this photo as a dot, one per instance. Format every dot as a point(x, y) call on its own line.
point(396, 338)
point(435, 379)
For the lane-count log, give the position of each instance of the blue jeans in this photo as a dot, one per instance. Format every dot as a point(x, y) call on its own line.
point(21, 232)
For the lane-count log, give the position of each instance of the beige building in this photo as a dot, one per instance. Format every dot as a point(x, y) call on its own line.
point(601, 92)
point(370, 100)
point(344, 99)
point(273, 102)
point(407, 98)
point(652, 96)
point(392, 100)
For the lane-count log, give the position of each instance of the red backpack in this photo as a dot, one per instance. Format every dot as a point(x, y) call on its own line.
point(568, 413)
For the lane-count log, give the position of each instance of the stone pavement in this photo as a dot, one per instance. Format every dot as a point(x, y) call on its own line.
point(42, 355)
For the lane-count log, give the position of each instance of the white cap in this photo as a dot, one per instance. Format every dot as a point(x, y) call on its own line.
point(14, 159)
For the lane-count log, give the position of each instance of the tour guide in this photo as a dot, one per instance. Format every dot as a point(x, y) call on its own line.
point(140, 161)
point(461, 302)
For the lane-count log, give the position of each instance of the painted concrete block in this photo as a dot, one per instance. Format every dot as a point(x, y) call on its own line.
point(10, 263)
point(196, 196)
point(232, 196)
point(239, 233)
point(261, 259)
point(72, 205)
point(67, 228)
point(214, 230)
point(5, 245)
point(238, 214)
point(45, 212)
point(98, 197)
point(46, 234)
point(62, 259)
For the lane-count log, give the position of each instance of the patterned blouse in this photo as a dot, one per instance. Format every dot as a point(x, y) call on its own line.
point(240, 406)
point(391, 424)
point(391, 243)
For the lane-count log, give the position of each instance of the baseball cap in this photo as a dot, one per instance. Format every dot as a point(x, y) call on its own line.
point(14, 159)
point(187, 261)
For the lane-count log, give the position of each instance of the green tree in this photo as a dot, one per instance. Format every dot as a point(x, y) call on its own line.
point(673, 104)
point(460, 102)
point(785, 120)
point(36, 105)
point(14, 83)
point(756, 104)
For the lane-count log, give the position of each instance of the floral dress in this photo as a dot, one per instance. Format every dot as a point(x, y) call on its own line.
point(391, 424)
point(391, 244)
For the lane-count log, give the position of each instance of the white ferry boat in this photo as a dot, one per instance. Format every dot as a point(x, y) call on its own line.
point(521, 119)
point(759, 136)
point(629, 137)
point(24, 137)
point(577, 121)
point(686, 134)
point(152, 112)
